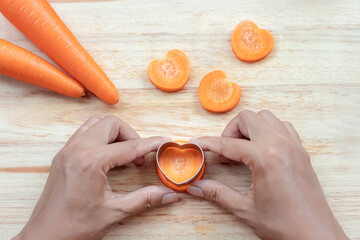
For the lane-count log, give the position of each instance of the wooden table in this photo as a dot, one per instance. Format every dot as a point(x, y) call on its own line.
point(311, 78)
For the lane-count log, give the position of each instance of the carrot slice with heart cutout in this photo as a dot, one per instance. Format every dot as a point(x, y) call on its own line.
point(250, 43)
point(179, 188)
point(170, 73)
point(179, 164)
point(217, 94)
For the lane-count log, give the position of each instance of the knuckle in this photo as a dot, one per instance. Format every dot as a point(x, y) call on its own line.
point(81, 160)
point(134, 147)
point(94, 118)
point(213, 191)
point(269, 153)
point(223, 145)
point(73, 158)
point(271, 157)
point(287, 123)
point(65, 154)
point(214, 194)
point(264, 112)
point(112, 119)
point(114, 122)
point(151, 198)
point(244, 114)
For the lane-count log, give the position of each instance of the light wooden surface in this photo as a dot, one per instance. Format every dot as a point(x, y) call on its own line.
point(311, 78)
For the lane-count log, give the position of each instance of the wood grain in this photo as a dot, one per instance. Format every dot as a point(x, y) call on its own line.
point(311, 78)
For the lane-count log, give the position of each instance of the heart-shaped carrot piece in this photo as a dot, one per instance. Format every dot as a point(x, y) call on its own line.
point(171, 72)
point(179, 165)
point(217, 94)
point(250, 43)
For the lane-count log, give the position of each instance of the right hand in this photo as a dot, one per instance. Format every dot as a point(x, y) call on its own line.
point(285, 200)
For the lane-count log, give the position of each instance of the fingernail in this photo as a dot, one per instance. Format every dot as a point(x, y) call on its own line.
point(169, 198)
point(196, 191)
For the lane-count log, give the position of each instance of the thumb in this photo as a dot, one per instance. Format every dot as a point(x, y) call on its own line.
point(225, 196)
point(142, 199)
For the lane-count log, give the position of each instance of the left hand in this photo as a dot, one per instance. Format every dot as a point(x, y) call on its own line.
point(77, 201)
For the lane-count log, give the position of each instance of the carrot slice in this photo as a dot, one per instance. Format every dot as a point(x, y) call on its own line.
point(180, 165)
point(250, 43)
point(40, 23)
point(179, 188)
point(18, 63)
point(171, 72)
point(217, 94)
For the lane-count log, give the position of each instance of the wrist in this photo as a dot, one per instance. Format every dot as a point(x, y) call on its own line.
point(35, 230)
point(26, 234)
point(22, 235)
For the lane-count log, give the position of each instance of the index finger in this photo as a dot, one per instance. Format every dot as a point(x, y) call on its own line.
point(250, 125)
point(108, 130)
point(239, 150)
point(121, 153)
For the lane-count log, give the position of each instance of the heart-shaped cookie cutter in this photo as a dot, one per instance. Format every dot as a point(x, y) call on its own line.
point(181, 147)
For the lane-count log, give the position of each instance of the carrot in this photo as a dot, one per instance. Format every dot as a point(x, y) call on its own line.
point(179, 188)
point(217, 94)
point(18, 63)
point(40, 23)
point(181, 141)
point(180, 165)
point(170, 73)
point(250, 43)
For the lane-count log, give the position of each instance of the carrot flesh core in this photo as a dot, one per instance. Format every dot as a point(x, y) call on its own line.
point(20, 64)
point(217, 94)
point(40, 23)
point(180, 165)
point(250, 43)
point(170, 73)
point(179, 188)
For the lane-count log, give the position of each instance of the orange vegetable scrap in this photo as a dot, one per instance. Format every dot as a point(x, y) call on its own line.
point(250, 43)
point(217, 94)
point(171, 72)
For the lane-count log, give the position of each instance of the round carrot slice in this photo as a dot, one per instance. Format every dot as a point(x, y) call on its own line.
point(217, 94)
point(171, 72)
point(250, 43)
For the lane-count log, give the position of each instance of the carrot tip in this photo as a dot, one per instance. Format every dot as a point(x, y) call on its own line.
point(49, 35)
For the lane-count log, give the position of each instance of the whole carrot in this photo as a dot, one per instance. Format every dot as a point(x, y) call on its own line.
point(40, 23)
point(18, 63)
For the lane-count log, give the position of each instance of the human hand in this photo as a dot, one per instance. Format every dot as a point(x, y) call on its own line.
point(77, 201)
point(285, 199)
